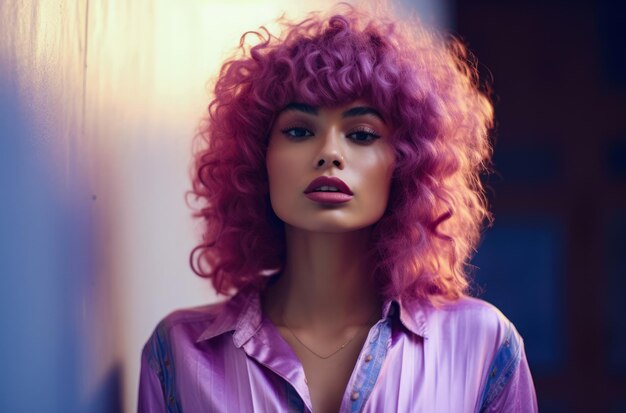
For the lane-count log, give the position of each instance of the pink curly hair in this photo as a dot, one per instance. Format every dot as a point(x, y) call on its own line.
point(427, 87)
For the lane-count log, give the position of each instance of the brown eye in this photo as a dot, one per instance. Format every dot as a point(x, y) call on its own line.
point(363, 136)
point(296, 133)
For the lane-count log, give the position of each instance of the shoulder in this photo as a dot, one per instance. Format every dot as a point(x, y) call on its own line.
point(476, 330)
point(192, 318)
point(468, 327)
point(177, 333)
point(467, 317)
point(175, 342)
point(493, 340)
point(188, 325)
point(194, 324)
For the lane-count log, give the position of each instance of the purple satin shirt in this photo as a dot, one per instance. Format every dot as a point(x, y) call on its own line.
point(228, 357)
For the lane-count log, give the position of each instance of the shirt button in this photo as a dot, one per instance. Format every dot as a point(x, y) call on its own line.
point(354, 396)
point(368, 358)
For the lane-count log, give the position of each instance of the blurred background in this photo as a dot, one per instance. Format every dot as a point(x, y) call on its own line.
point(99, 101)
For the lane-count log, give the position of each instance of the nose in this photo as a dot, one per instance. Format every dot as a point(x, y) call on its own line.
point(331, 152)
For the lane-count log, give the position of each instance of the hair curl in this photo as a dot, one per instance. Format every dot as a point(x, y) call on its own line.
point(425, 84)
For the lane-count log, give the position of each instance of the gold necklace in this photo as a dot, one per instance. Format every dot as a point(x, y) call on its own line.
point(334, 352)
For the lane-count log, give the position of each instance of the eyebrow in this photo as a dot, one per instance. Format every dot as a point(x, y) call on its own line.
point(352, 112)
point(301, 107)
point(362, 110)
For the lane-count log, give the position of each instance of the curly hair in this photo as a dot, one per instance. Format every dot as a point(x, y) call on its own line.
point(425, 83)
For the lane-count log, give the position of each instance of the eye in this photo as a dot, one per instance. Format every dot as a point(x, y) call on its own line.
point(363, 136)
point(297, 133)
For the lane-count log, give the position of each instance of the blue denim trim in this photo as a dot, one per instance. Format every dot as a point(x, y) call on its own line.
point(378, 351)
point(163, 360)
point(294, 402)
point(502, 367)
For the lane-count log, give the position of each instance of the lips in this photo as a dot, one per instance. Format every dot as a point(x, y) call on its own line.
point(328, 181)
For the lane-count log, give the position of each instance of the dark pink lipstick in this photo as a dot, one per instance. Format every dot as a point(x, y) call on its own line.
point(328, 190)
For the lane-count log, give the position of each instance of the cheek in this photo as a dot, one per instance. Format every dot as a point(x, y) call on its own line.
point(388, 165)
point(379, 171)
point(277, 164)
point(378, 183)
point(280, 158)
point(280, 172)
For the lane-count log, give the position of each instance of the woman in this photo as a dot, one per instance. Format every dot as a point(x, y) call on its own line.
point(339, 173)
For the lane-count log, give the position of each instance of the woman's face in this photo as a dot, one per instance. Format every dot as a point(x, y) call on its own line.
point(349, 148)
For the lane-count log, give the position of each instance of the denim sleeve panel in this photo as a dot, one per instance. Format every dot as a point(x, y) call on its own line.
point(161, 360)
point(502, 367)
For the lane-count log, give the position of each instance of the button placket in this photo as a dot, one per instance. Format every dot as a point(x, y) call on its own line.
point(376, 353)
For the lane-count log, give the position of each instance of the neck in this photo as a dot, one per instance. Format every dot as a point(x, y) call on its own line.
point(326, 282)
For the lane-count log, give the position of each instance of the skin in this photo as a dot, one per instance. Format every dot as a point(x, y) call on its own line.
point(324, 293)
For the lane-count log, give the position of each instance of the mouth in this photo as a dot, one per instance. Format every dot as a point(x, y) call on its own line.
point(329, 197)
point(328, 184)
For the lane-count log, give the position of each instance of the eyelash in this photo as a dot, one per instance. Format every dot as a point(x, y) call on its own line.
point(371, 134)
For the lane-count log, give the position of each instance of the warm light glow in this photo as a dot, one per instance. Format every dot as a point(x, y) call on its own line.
point(192, 42)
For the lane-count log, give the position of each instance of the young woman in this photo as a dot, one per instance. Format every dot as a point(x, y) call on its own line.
point(339, 172)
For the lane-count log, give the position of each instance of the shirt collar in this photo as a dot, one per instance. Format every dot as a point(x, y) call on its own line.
point(411, 313)
point(242, 314)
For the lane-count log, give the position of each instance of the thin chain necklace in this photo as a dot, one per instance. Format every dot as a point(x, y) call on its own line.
point(334, 352)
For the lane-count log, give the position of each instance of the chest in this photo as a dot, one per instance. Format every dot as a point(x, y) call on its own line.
point(408, 376)
point(327, 378)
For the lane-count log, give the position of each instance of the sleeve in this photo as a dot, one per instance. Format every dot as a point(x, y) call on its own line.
point(157, 387)
point(151, 398)
point(519, 393)
point(509, 386)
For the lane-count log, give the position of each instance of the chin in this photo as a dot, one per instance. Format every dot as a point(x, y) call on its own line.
point(334, 226)
point(328, 220)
